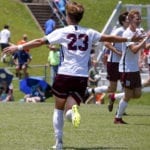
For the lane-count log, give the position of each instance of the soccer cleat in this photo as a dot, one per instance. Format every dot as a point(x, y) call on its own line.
point(75, 116)
point(111, 102)
point(119, 121)
point(58, 146)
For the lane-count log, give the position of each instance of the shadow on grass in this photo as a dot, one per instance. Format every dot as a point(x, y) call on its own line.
point(140, 115)
point(94, 148)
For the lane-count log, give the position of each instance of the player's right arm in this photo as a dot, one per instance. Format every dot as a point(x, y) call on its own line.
point(29, 45)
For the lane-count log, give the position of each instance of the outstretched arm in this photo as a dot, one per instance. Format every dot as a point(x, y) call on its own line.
point(119, 39)
point(29, 45)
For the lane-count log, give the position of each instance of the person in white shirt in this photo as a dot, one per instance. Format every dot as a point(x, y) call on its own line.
point(129, 66)
point(4, 39)
point(113, 74)
point(71, 80)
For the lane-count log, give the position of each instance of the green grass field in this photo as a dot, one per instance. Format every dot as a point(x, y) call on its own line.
point(29, 127)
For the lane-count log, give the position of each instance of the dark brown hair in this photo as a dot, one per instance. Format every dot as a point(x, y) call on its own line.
point(123, 17)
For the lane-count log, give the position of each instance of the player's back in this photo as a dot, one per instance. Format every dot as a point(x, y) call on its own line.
point(76, 42)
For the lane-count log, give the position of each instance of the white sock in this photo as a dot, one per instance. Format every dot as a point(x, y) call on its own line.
point(68, 115)
point(58, 123)
point(119, 96)
point(122, 106)
point(101, 89)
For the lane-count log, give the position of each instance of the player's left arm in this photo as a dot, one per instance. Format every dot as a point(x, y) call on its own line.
point(119, 39)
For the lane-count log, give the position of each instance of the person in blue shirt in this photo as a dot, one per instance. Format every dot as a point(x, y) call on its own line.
point(37, 95)
point(62, 6)
point(21, 60)
point(50, 25)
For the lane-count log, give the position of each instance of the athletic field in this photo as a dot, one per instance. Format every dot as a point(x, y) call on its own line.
point(29, 127)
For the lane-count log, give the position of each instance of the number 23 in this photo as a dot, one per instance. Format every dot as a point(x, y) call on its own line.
point(74, 38)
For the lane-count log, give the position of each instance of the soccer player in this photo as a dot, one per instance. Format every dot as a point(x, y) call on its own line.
point(71, 81)
point(113, 74)
point(129, 67)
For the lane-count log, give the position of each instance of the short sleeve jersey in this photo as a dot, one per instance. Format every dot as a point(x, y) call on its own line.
point(76, 44)
point(4, 36)
point(129, 60)
point(113, 57)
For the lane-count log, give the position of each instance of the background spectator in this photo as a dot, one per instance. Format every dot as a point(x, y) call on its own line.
point(23, 40)
point(61, 4)
point(4, 40)
point(37, 95)
point(50, 25)
point(53, 60)
point(6, 92)
point(93, 79)
point(21, 60)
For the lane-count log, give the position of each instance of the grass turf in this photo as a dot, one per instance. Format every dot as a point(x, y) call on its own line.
point(29, 127)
